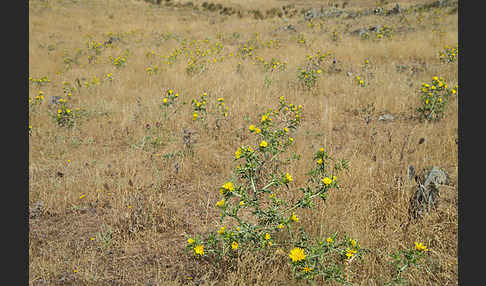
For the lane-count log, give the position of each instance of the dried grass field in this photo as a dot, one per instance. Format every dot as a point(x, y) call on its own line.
point(145, 117)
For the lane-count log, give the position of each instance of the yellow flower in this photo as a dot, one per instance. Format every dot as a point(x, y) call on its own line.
point(286, 129)
point(353, 242)
point(257, 130)
point(293, 217)
point(267, 236)
point(350, 252)
point(297, 254)
point(263, 144)
point(321, 150)
point(82, 196)
point(238, 153)
point(265, 118)
point(221, 230)
point(199, 249)
point(307, 269)
point(319, 161)
point(326, 181)
point(194, 116)
point(288, 177)
point(190, 241)
point(165, 100)
point(234, 245)
point(252, 127)
point(334, 178)
point(281, 226)
point(427, 101)
point(329, 240)
point(291, 139)
point(242, 203)
point(421, 246)
point(228, 186)
point(220, 203)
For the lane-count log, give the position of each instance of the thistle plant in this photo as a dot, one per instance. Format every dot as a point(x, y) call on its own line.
point(308, 77)
point(257, 216)
point(275, 65)
point(434, 97)
point(404, 259)
point(199, 107)
point(222, 109)
point(64, 116)
point(152, 70)
point(449, 54)
point(39, 81)
point(169, 99)
point(120, 61)
point(384, 32)
point(359, 81)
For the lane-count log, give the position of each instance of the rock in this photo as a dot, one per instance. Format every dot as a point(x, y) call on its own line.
point(312, 13)
point(386, 117)
point(378, 11)
point(36, 210)
point(426, 193)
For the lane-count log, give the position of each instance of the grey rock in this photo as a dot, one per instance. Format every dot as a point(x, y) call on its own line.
point(386, 117)
point(378, 11)
point(426, 193)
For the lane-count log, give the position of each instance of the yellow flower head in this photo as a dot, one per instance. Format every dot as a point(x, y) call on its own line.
point(281, 226)
point(238, 153)
point(221, 230)
point(267, 236)
point(252, 127)
point(263, 144)
point(421, 246)
point(350, 252)
point(234, 245)
point(353, 242)
point(297, 254)
point(220, 203)
point(199, 249)
point(228, 186)
point(288, 177)
point(319, 161)
point(307, 269)
point(190, 241)
point(326, 181)
point(293, 217)
point(329, 240)
point(257, 130)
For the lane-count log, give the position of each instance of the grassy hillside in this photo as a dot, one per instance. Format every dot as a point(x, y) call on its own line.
point(119, 179)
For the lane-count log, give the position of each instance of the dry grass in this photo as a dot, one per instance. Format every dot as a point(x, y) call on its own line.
point(139, 207)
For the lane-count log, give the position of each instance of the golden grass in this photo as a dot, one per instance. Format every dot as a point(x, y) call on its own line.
point(143, 205)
